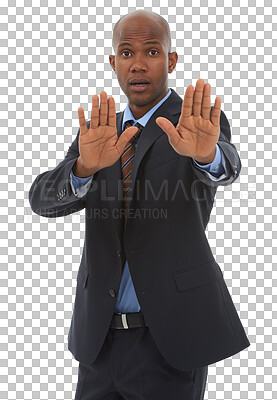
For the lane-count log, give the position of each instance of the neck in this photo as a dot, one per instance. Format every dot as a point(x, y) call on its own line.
point(140, 111)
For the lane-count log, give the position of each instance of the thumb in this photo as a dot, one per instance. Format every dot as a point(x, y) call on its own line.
point(169, 129)
point(125, 137)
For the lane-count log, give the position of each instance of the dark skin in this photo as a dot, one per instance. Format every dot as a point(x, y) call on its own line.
point(196, 133)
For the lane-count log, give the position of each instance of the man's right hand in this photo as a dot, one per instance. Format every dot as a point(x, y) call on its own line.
point(99, 146)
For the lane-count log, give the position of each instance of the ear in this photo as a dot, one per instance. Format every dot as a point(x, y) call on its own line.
point(172, 61)
point(112, 62)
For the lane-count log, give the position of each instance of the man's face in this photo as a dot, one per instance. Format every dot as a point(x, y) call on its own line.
point(136, 59)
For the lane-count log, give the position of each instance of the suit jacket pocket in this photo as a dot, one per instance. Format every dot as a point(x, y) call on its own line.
point(197, 276)
point(82, 276)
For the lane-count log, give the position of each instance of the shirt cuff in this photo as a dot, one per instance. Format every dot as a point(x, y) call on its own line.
point(80, 186)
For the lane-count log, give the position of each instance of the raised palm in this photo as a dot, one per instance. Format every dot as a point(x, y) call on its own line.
point(99, 145)
point(197, 132)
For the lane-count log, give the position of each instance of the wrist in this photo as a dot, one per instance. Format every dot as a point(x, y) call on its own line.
point(208, 159)
point(81, 171)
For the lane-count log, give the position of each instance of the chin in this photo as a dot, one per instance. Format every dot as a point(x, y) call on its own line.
point(139, 97)
point(142, 101)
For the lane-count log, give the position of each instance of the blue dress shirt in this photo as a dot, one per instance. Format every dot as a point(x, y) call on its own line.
point(127, 300)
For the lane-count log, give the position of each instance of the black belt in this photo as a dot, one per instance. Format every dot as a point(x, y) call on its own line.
point(127, 321)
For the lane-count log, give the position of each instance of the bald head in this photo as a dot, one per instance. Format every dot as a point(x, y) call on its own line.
point(148, 17)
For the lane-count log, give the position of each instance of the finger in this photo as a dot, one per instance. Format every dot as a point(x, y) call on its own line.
point(169, 129)
point(187, 102)
point(197, 98)
point(103, 108)
point(216, 111)
point(82, 121)
point(124, 138)
point(111, 112)
point(206, 102)
point(94, 121)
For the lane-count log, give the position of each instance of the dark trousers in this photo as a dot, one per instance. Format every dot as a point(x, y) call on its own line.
point(130, 367)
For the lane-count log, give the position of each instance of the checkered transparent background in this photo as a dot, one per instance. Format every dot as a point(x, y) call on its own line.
point(54, 57)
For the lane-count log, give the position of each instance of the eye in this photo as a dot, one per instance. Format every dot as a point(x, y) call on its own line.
point(155, 51)
point(125, 52)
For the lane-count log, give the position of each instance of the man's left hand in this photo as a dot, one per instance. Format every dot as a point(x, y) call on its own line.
point(196, 133)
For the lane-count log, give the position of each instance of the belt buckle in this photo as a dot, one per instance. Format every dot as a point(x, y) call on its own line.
point(124, 320)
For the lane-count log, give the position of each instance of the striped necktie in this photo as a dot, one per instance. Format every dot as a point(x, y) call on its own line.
point(127, 159)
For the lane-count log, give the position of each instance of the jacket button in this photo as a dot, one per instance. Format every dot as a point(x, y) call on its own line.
point(112, 292)
point(118, 253)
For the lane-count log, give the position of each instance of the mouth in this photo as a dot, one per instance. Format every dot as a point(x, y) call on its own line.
point(138, 85)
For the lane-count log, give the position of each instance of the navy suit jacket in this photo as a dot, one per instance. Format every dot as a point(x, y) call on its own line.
point(180, 286)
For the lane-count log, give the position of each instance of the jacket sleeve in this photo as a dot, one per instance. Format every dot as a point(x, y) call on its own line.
point(232, 163)
point(51, 193)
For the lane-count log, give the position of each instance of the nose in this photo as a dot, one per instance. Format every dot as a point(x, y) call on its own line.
point(139, 64)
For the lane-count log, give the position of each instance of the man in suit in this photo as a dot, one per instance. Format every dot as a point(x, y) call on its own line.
point(152, 309)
